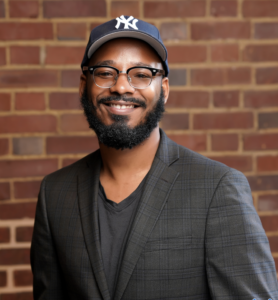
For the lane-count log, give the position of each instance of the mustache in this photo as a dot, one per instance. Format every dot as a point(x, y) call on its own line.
point(120, 98)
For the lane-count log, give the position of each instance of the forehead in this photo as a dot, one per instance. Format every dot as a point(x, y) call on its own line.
point(126, 50)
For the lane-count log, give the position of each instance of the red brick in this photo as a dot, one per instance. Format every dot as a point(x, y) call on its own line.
point(262, 141)
point(220, 30)
point(241, 163)
point(224, 142)
point(18, 296)
point(224, 52)
point(4, 191)
point(94, 25)
point(268, 120)
point(186, 54)
point(173, 31)
point(2, 9)
point(267, 163)
point(71, 144)
point(237, 120)
point(174, 9)
point(223, 8)
point(71, 31)
point(5, 102)
point(25, 31)
point(2, 56)
point(29, 101)
point(266, 30)
point(257, 9)
point(4, 235)
point(28, 78)
point(74, 122)
point(71, 78)
point(28, 145)
point(188, 99)
point(23, 277)
point(263, 183)
point(67, 9)
point(257, 53)
point(259, 99)
point(64, 101)
point(276, 262)
point(32, 123)
point(175, 121)
point(26, 189)
point(4, 146)
point(270, 223)
point(14, 256)
point(59, 55)
point(220, 76)
point(25, 55)
point(238, 75)
point(267, 75)
point(24, 9)
point(68, 161)
point(268, 202)
point(177, 77)
point(207, 77)
point(273, 242)
point(3, 278)
point(226, 98)
point(24, 234)
point(22, 168)
point(195, 142)
point(17, 211)
point(126, 8)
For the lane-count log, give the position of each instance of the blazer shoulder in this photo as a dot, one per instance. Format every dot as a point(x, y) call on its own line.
point(70, 171)
point(201, 164)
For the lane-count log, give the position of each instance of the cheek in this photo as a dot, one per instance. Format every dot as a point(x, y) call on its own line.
point(152, 93)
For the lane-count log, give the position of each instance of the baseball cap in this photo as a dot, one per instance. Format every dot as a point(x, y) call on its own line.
point(126, 27)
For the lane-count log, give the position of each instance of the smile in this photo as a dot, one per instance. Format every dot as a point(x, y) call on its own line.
point(120, 106)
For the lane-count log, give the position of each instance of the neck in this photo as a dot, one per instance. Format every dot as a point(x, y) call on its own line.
point(123, 164)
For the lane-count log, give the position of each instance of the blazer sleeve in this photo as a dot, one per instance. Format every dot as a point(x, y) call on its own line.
point(239, 263)
point(47, 278)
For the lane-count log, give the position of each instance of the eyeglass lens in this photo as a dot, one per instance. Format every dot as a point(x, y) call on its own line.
point(107, 77)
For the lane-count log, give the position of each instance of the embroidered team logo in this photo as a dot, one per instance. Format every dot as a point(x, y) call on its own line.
point(127, 23)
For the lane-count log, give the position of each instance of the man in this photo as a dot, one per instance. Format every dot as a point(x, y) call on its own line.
point(142, 217)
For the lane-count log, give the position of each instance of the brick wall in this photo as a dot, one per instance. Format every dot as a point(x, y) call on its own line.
point(223, 57)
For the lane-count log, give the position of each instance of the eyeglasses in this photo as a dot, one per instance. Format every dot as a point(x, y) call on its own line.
point(138, 77)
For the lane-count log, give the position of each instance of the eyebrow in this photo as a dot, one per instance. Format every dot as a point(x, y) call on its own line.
point(105, 63)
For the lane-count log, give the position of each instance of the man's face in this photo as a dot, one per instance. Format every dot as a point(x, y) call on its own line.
point(124, 54)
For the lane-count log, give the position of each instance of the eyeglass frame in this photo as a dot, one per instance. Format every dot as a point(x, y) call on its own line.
point(153, 70)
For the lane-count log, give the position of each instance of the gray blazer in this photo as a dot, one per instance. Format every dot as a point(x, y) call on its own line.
point(196, 234)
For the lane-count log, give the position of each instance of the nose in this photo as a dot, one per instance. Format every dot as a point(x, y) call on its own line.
point(122, 85)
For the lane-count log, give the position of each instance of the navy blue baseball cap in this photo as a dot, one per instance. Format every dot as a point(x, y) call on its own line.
point(126, 27)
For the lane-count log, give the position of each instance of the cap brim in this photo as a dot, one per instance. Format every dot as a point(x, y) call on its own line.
point(161, 51)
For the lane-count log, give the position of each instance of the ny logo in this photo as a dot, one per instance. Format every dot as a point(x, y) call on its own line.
point(126, 22)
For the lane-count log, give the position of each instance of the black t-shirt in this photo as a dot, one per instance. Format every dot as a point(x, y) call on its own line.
point(114, 222)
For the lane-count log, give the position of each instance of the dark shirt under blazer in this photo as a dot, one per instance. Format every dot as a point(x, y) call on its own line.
point(196, 234)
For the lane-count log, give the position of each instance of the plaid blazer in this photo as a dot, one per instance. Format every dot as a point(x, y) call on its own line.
point(196, 234)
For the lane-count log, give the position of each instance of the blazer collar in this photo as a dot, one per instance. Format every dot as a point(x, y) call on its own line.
point(88, 182)
point(168, 150)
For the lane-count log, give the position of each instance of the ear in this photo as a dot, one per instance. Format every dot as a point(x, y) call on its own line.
point(82, 84)
point(166, 88)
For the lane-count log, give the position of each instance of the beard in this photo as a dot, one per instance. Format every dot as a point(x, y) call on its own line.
point(119, 135)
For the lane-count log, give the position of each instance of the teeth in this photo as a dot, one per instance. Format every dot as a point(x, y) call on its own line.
point(121, 106)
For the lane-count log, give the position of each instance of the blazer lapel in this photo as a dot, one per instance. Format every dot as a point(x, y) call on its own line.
point(88, 183)
point(160, 181)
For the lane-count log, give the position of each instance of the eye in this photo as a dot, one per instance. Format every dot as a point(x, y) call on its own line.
point(104, 74)
point(142, 75)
